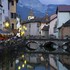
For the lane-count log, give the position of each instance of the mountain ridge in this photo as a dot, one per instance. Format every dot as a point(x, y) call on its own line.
point(39, 9)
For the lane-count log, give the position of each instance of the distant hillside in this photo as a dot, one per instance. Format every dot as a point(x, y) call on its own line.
point(39, 9)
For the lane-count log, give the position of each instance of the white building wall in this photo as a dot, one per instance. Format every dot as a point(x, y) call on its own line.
point(52, 25)
point(41, 27)
point(5, 10)
point(0, 17)
point(27, 32)
point(32, 29)
point(63, 17)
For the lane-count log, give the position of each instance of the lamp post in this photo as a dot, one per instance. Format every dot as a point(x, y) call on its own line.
point(22, 30)
point(7, 25)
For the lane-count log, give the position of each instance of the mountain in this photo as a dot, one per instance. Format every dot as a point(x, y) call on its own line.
point(24, 12)
point(39, 9)
point(51, 9)
point(34, 4)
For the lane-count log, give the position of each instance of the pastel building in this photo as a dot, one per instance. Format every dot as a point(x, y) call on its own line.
point(0, 16)
point(63, 15)
point(3, 12)
point(12, 13)
point(53, 25)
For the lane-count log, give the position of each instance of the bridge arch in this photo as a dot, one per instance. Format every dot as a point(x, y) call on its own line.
point(50, 46)
point(66, 46)
point(32, 45)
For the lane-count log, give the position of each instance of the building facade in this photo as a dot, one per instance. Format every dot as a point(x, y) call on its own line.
point(64, 30)
point(12, 13)
point(32, 28)
point(0, 15)
point(36, 26)
point(52, 25)
point(63, 15)
point(3, 12)
point(9, 13)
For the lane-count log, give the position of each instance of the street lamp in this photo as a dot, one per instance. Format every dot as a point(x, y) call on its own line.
point(24, 27)
point(7, 25)
point(23, 65)
point(25, 61)
point(19, 67)
point(22, 30)
point(22, 33)
point(22, 56)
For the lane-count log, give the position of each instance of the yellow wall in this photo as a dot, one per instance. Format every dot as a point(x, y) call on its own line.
point(13, 10)
point(13, 21)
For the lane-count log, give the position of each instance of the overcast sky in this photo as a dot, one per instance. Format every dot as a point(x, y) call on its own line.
point(67, 2)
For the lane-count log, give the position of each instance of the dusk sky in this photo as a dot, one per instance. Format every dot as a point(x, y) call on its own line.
point(67, 2)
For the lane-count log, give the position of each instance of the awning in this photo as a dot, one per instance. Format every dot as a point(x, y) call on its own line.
point(4, 32)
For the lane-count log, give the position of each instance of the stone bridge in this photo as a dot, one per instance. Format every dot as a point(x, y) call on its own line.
point(58, 42)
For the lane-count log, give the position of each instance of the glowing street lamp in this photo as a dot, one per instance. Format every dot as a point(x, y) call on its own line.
point(19, 67)
point(25, 28)
point(25, 62)
point(20, 29)
point(22, 56)
point(23, 65)
point(22, 33)
point(7, 25)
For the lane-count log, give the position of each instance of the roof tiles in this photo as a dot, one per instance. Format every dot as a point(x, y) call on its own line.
point(64, 8)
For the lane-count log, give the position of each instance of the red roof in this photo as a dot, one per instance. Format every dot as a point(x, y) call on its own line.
point(64, 8)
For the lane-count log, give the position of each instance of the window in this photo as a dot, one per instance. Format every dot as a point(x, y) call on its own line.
point(3, 11)
point(0, 1)
point(0, 26)
point(8, 6)
point(13, 15)
point(12, 26)
point(12, 2)
point(55, 28)
point(0, 16)
point(29, 25)
point(38, 24)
